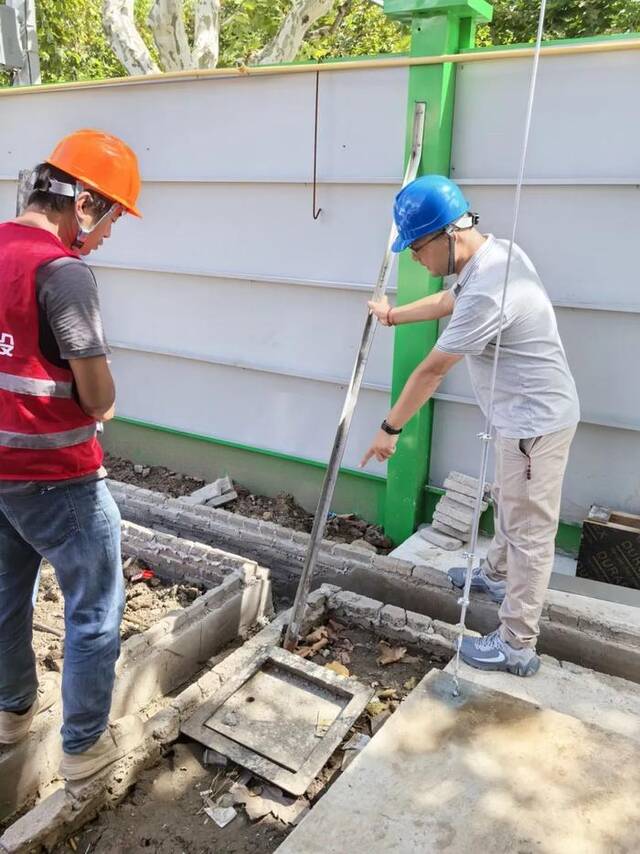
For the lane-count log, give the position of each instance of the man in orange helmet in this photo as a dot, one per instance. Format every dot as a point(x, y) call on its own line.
point(55, 386)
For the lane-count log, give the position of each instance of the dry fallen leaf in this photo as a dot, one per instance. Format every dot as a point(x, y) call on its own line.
point(316, 635)
point(390, 654)
point(338, 668)
point(309, 651)
point(387, 694)
point(375, 707)
point(411, 683)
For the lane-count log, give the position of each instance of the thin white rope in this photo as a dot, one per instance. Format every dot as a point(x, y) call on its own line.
point(486, 436)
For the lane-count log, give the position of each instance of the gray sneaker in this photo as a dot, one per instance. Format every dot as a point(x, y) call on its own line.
point(479, 581)
point(492, 653)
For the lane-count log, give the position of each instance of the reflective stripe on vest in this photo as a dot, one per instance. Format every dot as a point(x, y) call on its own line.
point(37, 441)
point(37, 388)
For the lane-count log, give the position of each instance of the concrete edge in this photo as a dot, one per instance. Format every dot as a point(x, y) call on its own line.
point(68, 809)
point(597, 635)
point(151, 665)
point(394, 623)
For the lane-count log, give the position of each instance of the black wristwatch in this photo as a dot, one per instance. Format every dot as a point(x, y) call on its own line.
point(392, 431)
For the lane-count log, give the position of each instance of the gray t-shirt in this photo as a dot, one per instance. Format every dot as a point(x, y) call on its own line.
point(69, 305)
point(70, 328)
point(535, 392)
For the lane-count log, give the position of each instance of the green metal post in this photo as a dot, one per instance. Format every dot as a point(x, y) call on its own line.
point(437, 27)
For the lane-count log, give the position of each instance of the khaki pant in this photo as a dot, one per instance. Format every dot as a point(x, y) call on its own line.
point(529, 475)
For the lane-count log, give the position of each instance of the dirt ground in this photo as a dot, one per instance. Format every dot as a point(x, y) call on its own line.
point(163, 813)
point(147, 602)
point(283, 509)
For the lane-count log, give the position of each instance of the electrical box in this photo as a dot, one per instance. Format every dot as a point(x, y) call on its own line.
point(610, 548)
point(11, 53)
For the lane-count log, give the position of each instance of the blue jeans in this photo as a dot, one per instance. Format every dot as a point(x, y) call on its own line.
point(77, 529)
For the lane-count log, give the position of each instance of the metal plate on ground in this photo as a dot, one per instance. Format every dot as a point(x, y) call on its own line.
point(281, 717)
point(255, 714)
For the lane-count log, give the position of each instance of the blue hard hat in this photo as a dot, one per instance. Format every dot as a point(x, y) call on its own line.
point(424, 206)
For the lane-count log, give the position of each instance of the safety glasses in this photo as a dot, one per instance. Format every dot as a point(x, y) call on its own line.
point(417, 247)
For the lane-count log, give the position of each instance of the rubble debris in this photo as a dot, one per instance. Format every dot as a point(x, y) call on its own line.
point(212, 757)
point(322, 637)
point(281, 509)
point(440, 539)
point(352, 748)
point(222, 816)
point(308, 651)
point(358, 741)
point(267, 799)
point(215, 494)
point(220, 811)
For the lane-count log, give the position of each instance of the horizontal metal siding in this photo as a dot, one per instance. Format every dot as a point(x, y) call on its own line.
point(583, 185)
point(232, 312)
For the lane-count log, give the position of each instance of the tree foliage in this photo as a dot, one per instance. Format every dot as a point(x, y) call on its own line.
point(516, 21)
point(73, 45)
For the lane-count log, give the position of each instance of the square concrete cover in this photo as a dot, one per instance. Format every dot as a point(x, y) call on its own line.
point(483, 772)
point(280, 716)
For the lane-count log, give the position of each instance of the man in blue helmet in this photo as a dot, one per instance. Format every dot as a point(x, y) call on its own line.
point(536, 408)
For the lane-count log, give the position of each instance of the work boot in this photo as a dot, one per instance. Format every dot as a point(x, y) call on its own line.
point(492, 653)
point(119, 738)
point(479, 581)
point(13, 727)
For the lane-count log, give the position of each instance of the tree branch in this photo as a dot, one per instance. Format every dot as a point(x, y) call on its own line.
point(286, 43)
point(169, 33)
point(29, 74)
point(332, 29)
point(206, 47)
point(125, 40)
point(342, 13)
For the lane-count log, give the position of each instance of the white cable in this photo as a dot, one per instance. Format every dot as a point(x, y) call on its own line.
point(486, 436)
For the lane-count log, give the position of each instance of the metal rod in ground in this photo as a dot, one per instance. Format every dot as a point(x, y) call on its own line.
point(486, 436)
point(471, 555)
point(342, 434)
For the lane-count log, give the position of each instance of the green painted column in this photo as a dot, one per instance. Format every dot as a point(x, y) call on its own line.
point(437, 27)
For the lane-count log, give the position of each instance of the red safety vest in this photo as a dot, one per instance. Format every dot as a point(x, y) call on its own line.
point(44, 434)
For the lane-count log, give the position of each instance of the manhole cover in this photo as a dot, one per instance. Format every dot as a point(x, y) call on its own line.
point(280, 716)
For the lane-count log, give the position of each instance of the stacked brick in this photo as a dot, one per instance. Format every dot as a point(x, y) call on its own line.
point(453, 516)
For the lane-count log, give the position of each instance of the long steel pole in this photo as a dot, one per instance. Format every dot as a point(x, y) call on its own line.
point(342, 433)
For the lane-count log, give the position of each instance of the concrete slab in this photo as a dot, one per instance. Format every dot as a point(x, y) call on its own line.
point(420, 553)
point(481, 772)
point(607, 701)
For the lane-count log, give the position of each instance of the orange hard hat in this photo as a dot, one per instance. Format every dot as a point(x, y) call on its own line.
point(102, 162)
